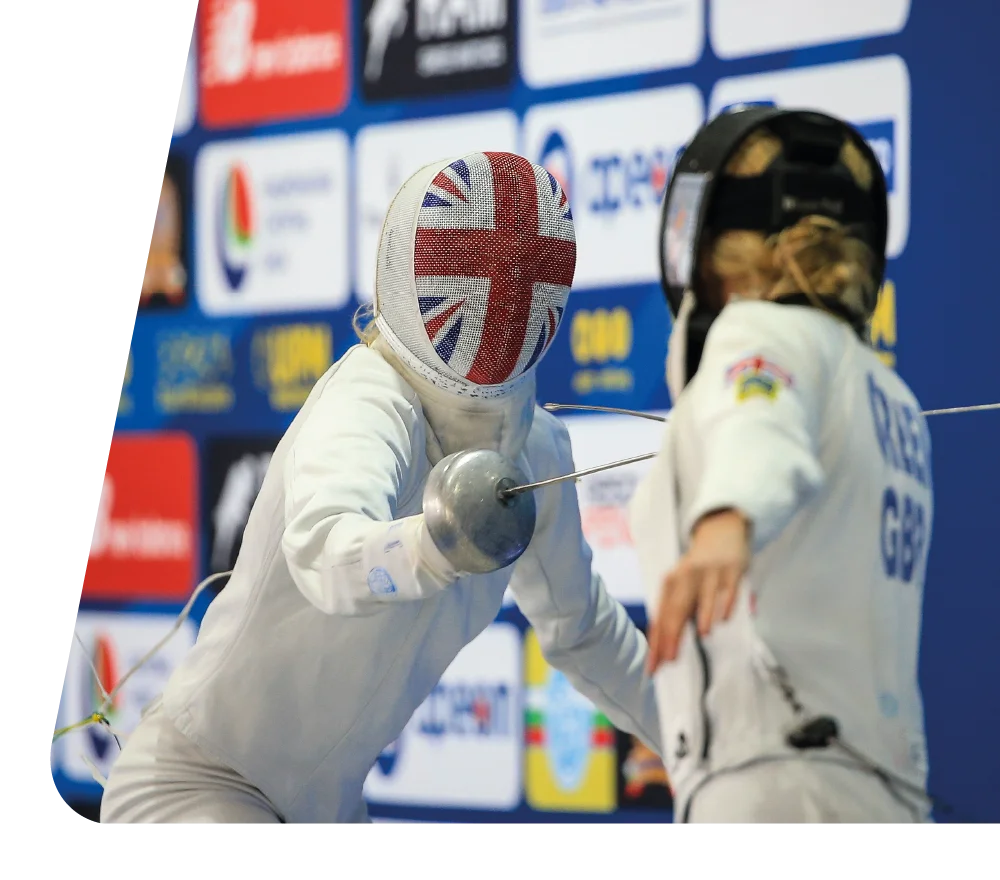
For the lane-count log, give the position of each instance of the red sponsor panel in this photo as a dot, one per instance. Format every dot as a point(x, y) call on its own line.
point(271, 60)
point(144, 546)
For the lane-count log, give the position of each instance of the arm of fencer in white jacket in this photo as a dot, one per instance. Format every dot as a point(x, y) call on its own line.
point(348, 468)
point(582, 631)
point(757, 402)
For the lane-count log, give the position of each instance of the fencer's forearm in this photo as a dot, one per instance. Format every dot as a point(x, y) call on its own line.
point(603, 655)
point(362, 564)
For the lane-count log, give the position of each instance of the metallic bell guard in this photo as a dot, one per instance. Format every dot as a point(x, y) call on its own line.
point(476, 526)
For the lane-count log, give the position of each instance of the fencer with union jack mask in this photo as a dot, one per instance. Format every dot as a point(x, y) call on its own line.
point(783, 530)
point(341, 613)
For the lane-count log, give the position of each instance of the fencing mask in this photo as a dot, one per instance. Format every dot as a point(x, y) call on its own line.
point(809, 178)
point(475, 264)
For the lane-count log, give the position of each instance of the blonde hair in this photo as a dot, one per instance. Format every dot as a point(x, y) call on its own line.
point(364, 324)
point(817, 256)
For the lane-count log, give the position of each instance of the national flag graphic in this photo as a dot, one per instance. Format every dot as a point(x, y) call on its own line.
point(494, 259)
point(570, 746)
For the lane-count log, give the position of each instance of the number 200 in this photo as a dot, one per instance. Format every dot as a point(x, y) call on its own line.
point(904, 526)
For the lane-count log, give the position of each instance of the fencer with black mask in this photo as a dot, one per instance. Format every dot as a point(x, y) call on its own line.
point(784, 527)
point(342, 613)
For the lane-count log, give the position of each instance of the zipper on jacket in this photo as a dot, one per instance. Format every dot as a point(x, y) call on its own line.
point(705, 720)
point(707, 678)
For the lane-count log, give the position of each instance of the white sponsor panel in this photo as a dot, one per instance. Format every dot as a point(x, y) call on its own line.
point(463, 745)
point(740, 28)
point(113, 642)
point(872, 94)
point(568, 41)
point(271, 224)
point(388, 155)
point(613, 157)
point(604, 497)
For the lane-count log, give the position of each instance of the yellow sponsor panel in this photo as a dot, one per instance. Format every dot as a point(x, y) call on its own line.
point(289, 359)
point(601, 335)
point(883, 325)
point(570, 745)
point(600, 339)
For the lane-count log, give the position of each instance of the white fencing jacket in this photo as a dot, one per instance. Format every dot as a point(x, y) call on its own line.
point(793, 421)
point(302, 673)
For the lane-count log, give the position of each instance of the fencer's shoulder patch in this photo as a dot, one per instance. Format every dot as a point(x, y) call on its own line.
point(754, 376)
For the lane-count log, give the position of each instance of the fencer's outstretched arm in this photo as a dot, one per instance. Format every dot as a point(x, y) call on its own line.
point(581, 630)
point(756, 402)
point(347, 473)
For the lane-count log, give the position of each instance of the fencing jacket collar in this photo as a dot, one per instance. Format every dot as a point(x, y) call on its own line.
point(457, 423)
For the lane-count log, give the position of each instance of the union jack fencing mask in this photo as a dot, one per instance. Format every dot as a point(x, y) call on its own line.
point(475, 265)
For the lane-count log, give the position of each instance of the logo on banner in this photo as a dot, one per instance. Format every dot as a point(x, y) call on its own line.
point(194, 372)
point(424, 47)
point(616, 180)
point(464, 709)
point(613, 156)
point(235, 471)
point(605, 498)
point(143, 545)
point(883, 324)
point(235, 225)
point(164, 283)
point(569, 41)
point(267, 60)
point(113, 643)
point(601, 343)
point(105, 661)
point(386, 761)
point(555, 159)
point(462, 744)
point(288, 360)
point(571, 761)
point(604, 511)
point(275, 236)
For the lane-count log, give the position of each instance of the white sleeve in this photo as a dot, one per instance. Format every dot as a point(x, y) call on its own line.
point(581, 630)
point(345, 474)
point(757, 402)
